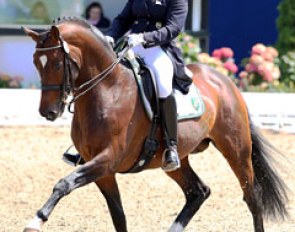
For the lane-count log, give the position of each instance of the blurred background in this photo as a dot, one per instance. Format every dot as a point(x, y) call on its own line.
point(213, 24)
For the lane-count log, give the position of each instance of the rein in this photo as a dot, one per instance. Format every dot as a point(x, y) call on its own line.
point(98, 78)
point(67, 87)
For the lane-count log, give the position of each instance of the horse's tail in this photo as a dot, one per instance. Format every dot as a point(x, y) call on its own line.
point(272, 187)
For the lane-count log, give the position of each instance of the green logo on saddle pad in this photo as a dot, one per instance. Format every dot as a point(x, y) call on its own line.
point(195, 103)
point(191, 105)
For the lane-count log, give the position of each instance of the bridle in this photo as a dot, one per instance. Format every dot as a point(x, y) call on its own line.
point(68, 86)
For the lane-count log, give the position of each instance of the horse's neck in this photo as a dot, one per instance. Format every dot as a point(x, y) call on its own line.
point(95, 60)
point(111, 110)
point(109, 96)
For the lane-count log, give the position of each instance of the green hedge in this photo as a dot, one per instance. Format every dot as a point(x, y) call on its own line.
point(286, 26)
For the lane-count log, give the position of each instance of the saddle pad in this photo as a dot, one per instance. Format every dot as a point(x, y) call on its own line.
point(190, 105)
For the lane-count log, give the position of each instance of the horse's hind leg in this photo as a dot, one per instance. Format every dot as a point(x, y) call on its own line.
point(109, 188)
point(237, 149)
point(195, 191)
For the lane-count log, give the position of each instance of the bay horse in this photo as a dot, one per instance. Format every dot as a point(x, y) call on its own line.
point(109, 127)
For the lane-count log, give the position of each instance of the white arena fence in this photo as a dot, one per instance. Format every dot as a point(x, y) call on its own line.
point(20, 107)
point(274, 111)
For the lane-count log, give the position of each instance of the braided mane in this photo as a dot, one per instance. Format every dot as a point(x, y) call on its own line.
point(75, 20)
point(81, 22)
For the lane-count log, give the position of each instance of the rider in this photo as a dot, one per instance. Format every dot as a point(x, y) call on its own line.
point(152, 26)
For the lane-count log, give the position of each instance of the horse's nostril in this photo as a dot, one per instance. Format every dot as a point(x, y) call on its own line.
point(51, 115)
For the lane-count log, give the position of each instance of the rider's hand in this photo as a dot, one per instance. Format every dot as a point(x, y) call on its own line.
point(135, 39)
point(110, 40)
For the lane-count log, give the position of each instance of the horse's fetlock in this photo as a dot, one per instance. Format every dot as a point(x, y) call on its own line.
point(42, 216)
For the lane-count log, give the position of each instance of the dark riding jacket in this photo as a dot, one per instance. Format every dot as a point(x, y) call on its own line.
point(160, 21)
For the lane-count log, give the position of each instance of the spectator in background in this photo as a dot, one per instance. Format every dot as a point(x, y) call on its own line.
point(95, 16)
point(12, 10)
point(39, 13)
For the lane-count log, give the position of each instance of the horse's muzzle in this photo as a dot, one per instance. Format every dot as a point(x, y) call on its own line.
point(50, 115)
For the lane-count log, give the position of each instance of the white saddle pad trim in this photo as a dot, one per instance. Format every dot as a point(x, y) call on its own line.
point(190, 105)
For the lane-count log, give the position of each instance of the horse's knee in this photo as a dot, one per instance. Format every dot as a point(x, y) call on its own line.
point(198, 193)
point(62, 187)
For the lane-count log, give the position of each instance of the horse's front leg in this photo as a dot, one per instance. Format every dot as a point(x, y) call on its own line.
point(91, 171)
point(109, 188)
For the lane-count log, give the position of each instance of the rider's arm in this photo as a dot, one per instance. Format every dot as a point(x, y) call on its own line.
point(122, 22)
point(175, 21)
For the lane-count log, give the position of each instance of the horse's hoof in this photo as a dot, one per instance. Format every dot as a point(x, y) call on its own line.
point(34, 225)
point(31, 230)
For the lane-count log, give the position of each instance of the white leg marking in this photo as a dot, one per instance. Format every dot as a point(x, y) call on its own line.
point(35, 224)
point(176, 227)
point(43, 60)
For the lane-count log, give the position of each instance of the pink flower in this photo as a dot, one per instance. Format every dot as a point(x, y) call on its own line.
point(250, 67)
point(14, 84)
point(276, 73)
point(18, 78)
point(265, 73)
point(261, 69)
point(243, 74)
point(227, 52)
point(272, 51)
point(258, 49)
point(267, 76)
point(217, 53)
point(230, 66)
point(186, 38)
point(268, 56)
point(191, 45)
point(256, 59)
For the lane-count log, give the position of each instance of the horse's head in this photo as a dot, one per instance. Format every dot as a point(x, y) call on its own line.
point(56, 69)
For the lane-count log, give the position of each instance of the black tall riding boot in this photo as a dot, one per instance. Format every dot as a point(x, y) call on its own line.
point(171, 160)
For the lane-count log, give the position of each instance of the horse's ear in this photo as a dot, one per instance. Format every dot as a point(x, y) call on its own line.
point(33, 34)
point(55, 32)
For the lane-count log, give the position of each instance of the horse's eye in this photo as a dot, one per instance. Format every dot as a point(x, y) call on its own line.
point(58, 65)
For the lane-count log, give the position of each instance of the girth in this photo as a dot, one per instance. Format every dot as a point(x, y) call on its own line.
point(151, 143)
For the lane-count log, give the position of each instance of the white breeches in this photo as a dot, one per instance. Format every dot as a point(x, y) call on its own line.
point(160, 63)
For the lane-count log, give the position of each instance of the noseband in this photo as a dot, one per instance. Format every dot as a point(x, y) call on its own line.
point(68, 87)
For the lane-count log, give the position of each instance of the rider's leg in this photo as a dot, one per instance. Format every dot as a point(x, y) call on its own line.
point(162, 67)
point(169, 120)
